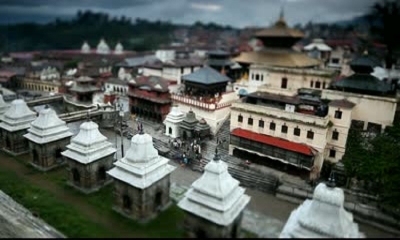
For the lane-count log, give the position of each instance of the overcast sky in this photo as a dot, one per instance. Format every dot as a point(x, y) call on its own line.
point(238, 13)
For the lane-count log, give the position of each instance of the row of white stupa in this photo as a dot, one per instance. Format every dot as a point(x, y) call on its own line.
point(216, 196)
point(102, 48)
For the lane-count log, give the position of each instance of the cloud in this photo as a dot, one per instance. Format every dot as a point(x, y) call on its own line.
point(238, 13)
point(206, 7)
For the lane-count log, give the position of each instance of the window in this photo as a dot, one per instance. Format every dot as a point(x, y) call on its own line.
point(257, 77)
point(338, 114)
point(252, 76)
point(261, 123)
point(318, 84)
point(324, 85)
point(240, 118)
point(182, 70)
point(272, 126)
point(312, 84)
point(284, 129)
point(262, 77)
point(296, 131)
point(310, 134)
point(332, 153)
point(335, 60)
point(335, 135)
point(284, 83)
point(250, 121)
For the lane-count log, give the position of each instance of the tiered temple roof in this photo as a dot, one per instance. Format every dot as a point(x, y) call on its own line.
point(323, 216)
point(3, 106)
point(202, 126)
point(142, 166)
point(89, 145)
point(216, 195)
point(190, 121)
point(175, 115)
point(17, 117)
point(206, 76)
point(47, 128)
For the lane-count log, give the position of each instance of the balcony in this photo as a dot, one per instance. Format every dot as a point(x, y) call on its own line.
point(282, 114)
point(225, 100)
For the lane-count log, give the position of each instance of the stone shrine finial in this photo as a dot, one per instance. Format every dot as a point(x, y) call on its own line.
point(46, 106)
point(331, 180)
point(88, 116)
point(216, 157)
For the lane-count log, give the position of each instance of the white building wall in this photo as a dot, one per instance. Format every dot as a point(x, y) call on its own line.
point(374, 109)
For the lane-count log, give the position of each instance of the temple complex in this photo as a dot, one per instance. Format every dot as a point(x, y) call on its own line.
point(85, 48)
point(207, 93)
point(202, 129)
point(102, 47)
point(322, 217)
point(14, 125)
point(214, 203)
point(119, 49)
point(141, 180)
point(187, 125)
point(172, 122)
point(48, 136)
point(83, 89)
point(89, 157)
point(149, 97)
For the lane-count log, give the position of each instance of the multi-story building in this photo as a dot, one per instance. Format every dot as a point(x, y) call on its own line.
point(149, 97)
point(208, 94)
point(278, 66)
point(117, 86)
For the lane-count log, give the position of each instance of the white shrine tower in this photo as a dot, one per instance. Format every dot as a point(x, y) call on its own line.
point(89, 157)
point(142, 180)
point(172, 120)
point(214, 203)
point(322, 217)
point(48, 136)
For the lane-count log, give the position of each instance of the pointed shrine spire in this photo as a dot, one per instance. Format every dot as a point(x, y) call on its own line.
point(216, 157)
point(140, 128)
point(331, 180)
point(88, 116)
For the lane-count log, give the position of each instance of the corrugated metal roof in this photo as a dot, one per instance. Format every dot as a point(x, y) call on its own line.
point(206, 75)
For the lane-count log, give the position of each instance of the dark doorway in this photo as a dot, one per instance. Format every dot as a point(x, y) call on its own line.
point(184, 135)
point(8, 143)
point(76, 176)
point(101, 174)
point(200, 233)
point(169, 130)
point(234, 230)
point(35, 156)
point(126, 202)
point(158, 201)
point(58, 154)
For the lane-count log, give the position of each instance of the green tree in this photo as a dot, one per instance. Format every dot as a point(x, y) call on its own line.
point(384, 18)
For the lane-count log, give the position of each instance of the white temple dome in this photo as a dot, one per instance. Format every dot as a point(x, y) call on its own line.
point(3, 106)
point(119, 49)
point(175, 112)
point(102, 47)
point(142, 149)
point(17, 117)
point(85, 48)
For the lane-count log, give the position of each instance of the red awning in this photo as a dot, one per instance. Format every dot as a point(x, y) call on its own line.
point(273, 141)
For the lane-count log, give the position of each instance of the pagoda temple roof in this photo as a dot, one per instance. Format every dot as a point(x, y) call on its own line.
point(47, 128)
point(202, 125)
point(323, 216)
point(216, 195)
point(290, 59)
point(142, 166)
point(280, 29)
point(17, 117)
point(365, 82)
point(88, 145)
point(206, 75)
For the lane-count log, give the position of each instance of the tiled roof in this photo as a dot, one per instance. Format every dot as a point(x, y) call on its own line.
point(341, 103)
point(155, 83)
point(206, 75)
point(365, 82)
point(273, 141)
point(277, 58)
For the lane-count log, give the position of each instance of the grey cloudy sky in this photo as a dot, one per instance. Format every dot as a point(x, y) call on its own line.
point(238, 13)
